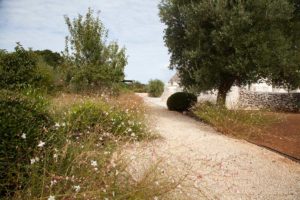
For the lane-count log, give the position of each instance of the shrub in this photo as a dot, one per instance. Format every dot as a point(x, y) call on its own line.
point(155, 88)
point(105, 118)
point(45, 77)
point(24, 127)
point(139, 87)
point(181, 101)
point(22, 68)
point(17, 68)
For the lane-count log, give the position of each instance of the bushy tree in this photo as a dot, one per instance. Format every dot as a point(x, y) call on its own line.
point(53, 59)
point(216, 44)
point(24, 68)
point(95, 63)
point(18, 68)
point(155, 88)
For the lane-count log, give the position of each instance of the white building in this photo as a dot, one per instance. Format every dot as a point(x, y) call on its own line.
point(233, 97)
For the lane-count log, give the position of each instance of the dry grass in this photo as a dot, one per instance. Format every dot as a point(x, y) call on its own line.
point(238, 123)
point(87, 164)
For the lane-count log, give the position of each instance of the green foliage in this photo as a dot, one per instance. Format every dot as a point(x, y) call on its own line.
point(24, 124)
point(51, 58)
point(45, 76)
point(95, 63)
point(215, 44)
point(23, 68)
point(155, 88)
point(137, 87)
point(18, 69)
point(181, 101)
point(85, 162)
point(105, 118)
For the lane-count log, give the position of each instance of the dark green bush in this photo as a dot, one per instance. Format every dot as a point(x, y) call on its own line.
point(17, 68)
point(181, 101)
point(23, 68)
point(155, 88)
point(24, 125)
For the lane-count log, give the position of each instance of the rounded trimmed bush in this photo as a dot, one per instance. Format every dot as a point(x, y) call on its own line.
point(24, 126)
point(181, 101)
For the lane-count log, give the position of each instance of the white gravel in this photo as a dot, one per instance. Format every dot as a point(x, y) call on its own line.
point(221, 167)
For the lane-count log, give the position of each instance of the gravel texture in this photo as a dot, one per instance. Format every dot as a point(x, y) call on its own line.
point(215, 166)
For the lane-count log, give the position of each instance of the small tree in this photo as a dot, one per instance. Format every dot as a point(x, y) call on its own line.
point(95, 62)
point(216, 44)
point(155, 88)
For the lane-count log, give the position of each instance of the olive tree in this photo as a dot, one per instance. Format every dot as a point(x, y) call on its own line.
point(216, 44)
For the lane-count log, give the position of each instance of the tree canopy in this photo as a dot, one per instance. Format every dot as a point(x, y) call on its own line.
point(96, 62)
point(216, 44)
point(53, 59)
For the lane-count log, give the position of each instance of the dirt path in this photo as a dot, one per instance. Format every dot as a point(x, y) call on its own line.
point(221, 167)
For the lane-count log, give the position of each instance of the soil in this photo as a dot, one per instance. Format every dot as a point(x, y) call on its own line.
point(282, 136)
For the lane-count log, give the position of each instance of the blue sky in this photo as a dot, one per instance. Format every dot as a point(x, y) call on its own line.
point(134, 24)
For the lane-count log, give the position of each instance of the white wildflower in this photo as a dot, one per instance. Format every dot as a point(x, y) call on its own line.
point(37, 159)
point(63, 124)
point(94, 163)
point(132, 134)
point(53, 183)
point(32, 161)
point(23, 136)
point(76, 188)
point(57, 125)
point(41, 144)
point(51, 197)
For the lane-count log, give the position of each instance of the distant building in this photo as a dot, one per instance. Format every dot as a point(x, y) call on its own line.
point(254, 96)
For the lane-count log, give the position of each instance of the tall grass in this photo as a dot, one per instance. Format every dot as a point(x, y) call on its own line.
point(238, 123)
point(85, 160)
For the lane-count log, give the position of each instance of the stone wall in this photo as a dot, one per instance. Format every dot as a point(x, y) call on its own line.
point(265, 100)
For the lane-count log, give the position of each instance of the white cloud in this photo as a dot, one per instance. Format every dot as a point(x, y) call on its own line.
point(133, 23)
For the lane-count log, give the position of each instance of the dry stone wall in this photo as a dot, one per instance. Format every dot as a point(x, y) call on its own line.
point(289, 102)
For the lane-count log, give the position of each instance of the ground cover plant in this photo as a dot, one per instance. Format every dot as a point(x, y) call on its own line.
point(275, 130)
point(239, 123)
point(79, 157)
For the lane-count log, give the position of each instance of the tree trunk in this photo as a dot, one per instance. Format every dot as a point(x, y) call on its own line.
point(223, 90)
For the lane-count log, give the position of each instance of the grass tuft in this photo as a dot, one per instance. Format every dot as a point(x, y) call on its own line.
point(238, 123)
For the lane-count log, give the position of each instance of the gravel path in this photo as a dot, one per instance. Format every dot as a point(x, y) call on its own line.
point(215, 166)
